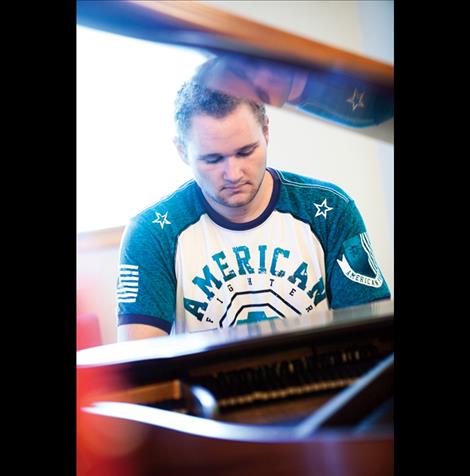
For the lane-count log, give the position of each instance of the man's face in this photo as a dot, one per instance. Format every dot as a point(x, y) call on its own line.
point(228, 157)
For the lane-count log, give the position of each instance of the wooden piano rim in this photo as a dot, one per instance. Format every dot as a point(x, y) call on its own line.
point(248, 36)
point(223, 430)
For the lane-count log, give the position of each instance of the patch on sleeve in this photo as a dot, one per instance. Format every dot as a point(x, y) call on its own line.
point(128, 283)
point(358, 263)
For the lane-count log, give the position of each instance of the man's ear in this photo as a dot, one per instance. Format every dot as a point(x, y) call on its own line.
point(266, 129)
point(181, 148)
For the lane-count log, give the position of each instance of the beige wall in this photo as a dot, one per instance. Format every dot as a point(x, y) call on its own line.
point(332, 22)
point(360, 165)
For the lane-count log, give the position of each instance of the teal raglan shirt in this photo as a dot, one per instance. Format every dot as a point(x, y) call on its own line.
point(185, 268)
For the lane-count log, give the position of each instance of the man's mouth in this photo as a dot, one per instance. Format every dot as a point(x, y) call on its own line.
point(234, 188)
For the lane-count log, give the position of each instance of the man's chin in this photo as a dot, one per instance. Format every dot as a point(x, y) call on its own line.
point(235, 202)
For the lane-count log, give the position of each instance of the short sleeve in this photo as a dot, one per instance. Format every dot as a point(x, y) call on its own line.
point(350, 102)
point(146, 286)
point(353, 274)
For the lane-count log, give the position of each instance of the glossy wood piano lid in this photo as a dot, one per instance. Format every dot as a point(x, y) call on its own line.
point(196, 24)
point(249, 335)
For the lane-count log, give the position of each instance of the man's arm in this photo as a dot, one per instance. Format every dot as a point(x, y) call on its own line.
point(145, 288)
point(138, 331)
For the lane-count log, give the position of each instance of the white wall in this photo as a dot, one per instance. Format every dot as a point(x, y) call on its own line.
point(360, 165)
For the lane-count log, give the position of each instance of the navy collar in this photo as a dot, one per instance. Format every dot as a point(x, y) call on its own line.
point(223, 222)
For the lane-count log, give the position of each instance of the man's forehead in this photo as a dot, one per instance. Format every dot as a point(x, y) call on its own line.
point(218, 145)
point(235, 127)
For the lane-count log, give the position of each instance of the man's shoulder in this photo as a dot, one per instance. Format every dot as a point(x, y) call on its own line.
point(304, 186)
point(175, 209)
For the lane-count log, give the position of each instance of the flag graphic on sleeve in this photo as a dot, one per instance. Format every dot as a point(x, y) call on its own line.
point(128, 284)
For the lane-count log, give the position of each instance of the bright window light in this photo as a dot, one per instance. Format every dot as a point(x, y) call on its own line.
point(126, 160)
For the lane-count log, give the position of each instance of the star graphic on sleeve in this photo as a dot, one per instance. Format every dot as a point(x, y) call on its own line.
point(322, 208)
point(161, 219)
point(356, 100)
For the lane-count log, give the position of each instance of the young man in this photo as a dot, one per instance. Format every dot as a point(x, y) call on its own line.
point(241, 242)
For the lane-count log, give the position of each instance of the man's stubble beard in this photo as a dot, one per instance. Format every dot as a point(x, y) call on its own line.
point(221, 201)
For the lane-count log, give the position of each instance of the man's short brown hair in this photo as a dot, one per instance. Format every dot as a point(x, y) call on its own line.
point(194, 98)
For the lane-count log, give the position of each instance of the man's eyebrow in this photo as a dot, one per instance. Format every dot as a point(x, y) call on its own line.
point(209, 156)
point(213, 155)
point(248, 146)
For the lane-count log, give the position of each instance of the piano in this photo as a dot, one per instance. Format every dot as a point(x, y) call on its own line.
point(302, 395)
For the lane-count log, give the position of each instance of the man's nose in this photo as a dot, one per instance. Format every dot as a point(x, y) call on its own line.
point(232, 169)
